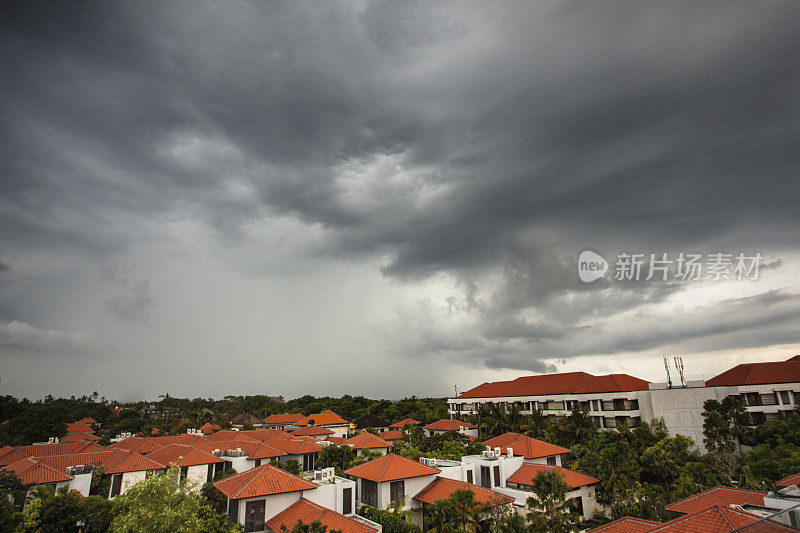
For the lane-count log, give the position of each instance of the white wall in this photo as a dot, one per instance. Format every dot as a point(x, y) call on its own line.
point(131, 478)
point(197, 476)
point(82, 483)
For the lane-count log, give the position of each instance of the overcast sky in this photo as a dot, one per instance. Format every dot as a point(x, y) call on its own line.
point(389, 198)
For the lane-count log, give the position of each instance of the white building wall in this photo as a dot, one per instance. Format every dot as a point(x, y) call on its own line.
point(131, 478)
point(82, 483)
point(197, 476)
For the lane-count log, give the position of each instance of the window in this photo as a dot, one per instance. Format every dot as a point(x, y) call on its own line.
point(308, 461)
point(116, 485)
point(496, 475)
point(486, 477)
point(233, 510)
point(469, 476)
point(551, 460)
point(254, 515)
point(184, 472)
point(258, 463)
point(369, 492)
point(578, 505)
point(397, 491)
point(347, 501)
point(210, 475)
point(785, 397)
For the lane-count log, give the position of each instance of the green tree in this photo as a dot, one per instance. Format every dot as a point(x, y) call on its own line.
point(62, 510)
point(292, 466)
point(314, 527)
point(337, 456)
point(162, 504)
point(37, 423)
point(440, 514)
point(549, 510)
point(513, 523)
point(10, 489)
point(214, 496)
point(665, 459)
point(578, 426)
point(465, 508)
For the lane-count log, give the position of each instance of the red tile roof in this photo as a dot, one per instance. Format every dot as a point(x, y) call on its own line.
point(79, 427)
point(208, 428)
point(62, 462)
point(406, 421)
point(442, 488)
point(246, 445)
point(310, 431)
point(265, 452)
point(79, 437)
point(564, 383)
point(138, 444)
point(724, 496)
point(391, 467)
point(289, 418)
point(183, 455)
point(392, 435)
point(759, 373)
point(310, 512)
point(325, 418)
point(88, 420)
point(449, 425)
point(229, 434)
point(125, 461)
point(262, 481)
point(295, 446)
point(627, 524)
point(367, 440)
point(527, 447)
point(720, 520)
point(789, 481)
point(524, 475)
point(183, 438)
point(337, 440)
point(264, 434)
point(33, 472)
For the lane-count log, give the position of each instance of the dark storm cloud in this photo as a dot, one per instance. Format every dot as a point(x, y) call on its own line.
point(441, 138)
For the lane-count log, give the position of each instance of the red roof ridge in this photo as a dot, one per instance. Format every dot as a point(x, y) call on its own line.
point(710, 492)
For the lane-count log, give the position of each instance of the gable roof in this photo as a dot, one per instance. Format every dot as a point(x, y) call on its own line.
point(33, 472)
point(209, 428)
point(441, 488)
point(447, 424)
point(262, 451)
point(527, 447)
point(184, 438)
point(125, 461)
point(183, 455)
point(295, 446)
point(308, 512)
point(262, 481)
point(392, 435)
point(245, 418)
point(325, 418)
point(288, 418)
point(759, 373)
point(524, 475)
point(139, 444)
point(311, 431)
point(262, 434)
point(718, 496)
point(62, 462)
point(367, 440)
point(789, 481)
point(719, 520)
point(79, 437)
point(404, 422)
point(79, 427)
point(627, 524)
point(88, 420)
point(229, 434)
point(391, 467)
point(563, 383)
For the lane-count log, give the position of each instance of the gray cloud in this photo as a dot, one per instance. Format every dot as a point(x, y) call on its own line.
point(479, 147)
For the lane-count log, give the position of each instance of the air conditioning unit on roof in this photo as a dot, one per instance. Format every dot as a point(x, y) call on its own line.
point(497, 452)
point(488, 454)
point(510, 452)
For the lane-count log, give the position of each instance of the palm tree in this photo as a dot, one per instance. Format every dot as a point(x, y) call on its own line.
point(440, 514)
point(464, 507)
point(548, 507)
point(498, 421)
point(579, 425)
point(537, 423)
point(513, 523)
point(514, 418)
point(480, 416)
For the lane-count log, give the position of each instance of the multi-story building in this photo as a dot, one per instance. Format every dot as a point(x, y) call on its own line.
point(766, 389)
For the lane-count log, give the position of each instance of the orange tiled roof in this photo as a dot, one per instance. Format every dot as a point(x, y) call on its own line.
point(88, 420)
point(719, 520)
point(524, 475)
point(564, 383)
point(264, 434)
point(403, 423)
point(442, 488)
point(79, 437)
point(79, 427)
point(627, 524)
point(62, 462)
point(183, 455)
point(208, 428)
point(288, 418)
point(33, 472)
point(310, 512)
point(138, 444)
point(449, 425)
point(183, 438)
point(789, 481)
point(392, 435)
point(262, 481)
point(759, 373)
point(295, 446)
point(325, 418)
point(724, 496)
point(246, 445)
point(262, 451)
point(367, 440)
point(527, 447)
point(310, 431)
point(125, 461)
point(229, 434)
point(391, 467)
point(337, 440)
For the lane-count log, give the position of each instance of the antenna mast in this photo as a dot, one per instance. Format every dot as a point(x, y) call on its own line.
point(666, 366)
point(455, 388)
point(679, 367)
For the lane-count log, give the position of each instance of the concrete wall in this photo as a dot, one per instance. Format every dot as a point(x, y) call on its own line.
point(131, 478)
point(82, 483)
point(197, 476)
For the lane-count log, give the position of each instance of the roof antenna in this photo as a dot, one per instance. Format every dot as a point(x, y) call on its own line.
point(666, 365)
point(455, 387)
point(679, 366)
